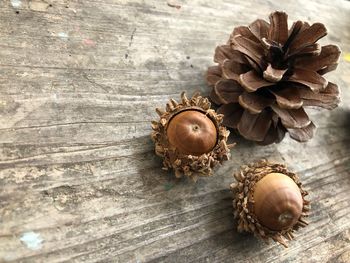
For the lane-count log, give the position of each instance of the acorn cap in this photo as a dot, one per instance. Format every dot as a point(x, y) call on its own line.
point(269, 201)
point(189, 137)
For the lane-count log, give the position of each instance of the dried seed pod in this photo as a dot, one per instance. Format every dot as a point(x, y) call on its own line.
point(269, 201)
point(267, 75)
point(189, 137)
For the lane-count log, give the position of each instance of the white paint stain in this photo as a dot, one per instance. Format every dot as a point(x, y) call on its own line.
point(63, 35)
point(16, 3)
point(32, 240)
point(38, 5)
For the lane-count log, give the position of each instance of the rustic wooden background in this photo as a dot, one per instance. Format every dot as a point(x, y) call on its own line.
point(79, 182)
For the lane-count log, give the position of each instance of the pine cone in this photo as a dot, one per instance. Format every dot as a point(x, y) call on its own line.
point(266, 74)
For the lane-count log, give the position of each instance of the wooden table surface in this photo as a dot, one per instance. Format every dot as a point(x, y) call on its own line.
point(79, 180)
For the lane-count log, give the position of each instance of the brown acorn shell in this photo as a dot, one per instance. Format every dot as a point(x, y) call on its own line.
point(277, 200)
point(243, 201)
point(186, 164)
point(192, 132)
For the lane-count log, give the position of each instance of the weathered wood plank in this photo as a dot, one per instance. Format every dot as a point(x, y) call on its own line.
point(79, 81)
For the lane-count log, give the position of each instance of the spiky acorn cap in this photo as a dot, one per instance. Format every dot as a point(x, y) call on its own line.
point(185, 163)
point(282, 205)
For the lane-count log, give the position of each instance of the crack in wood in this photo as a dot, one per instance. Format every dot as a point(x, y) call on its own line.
point(130, 42)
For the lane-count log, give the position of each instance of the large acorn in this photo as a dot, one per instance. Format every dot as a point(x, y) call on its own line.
point(269, 201)
point(189, 137)
point(267, 74)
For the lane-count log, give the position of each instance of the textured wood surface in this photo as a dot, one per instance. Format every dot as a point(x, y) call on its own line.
point(79, 182)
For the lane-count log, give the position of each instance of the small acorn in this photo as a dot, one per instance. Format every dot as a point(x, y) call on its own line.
point(269, 201)
point(190, 138)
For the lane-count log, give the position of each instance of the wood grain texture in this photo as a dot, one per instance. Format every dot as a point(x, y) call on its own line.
point(79, 82)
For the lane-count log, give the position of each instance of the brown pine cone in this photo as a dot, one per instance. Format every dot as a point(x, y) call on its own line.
point(266, 74)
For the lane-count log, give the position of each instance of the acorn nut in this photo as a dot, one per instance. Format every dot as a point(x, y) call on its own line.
point(190, 138)
point(192, 132)
point(269, 201)
point(278, 203)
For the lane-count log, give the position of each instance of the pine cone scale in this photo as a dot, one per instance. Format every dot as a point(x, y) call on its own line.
point(249, 48)
point(328, 98)
point(251, 81)
point(327, 69)
point(275, 134)
point(255, 126)
point(233, 113)
point(244, 31)
point(288, 98)
point(279, 27)
point(259, 28)
point(329, 56)
point(296, 28)
point(309, 78)
point(223, 53)
point(231, 69)
point(214, 75)
point(308, 37)
point(292, 118)
point(273, 75)
point(253, 102)
point(227, 91)
point(309, 51)
point(303, 134)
